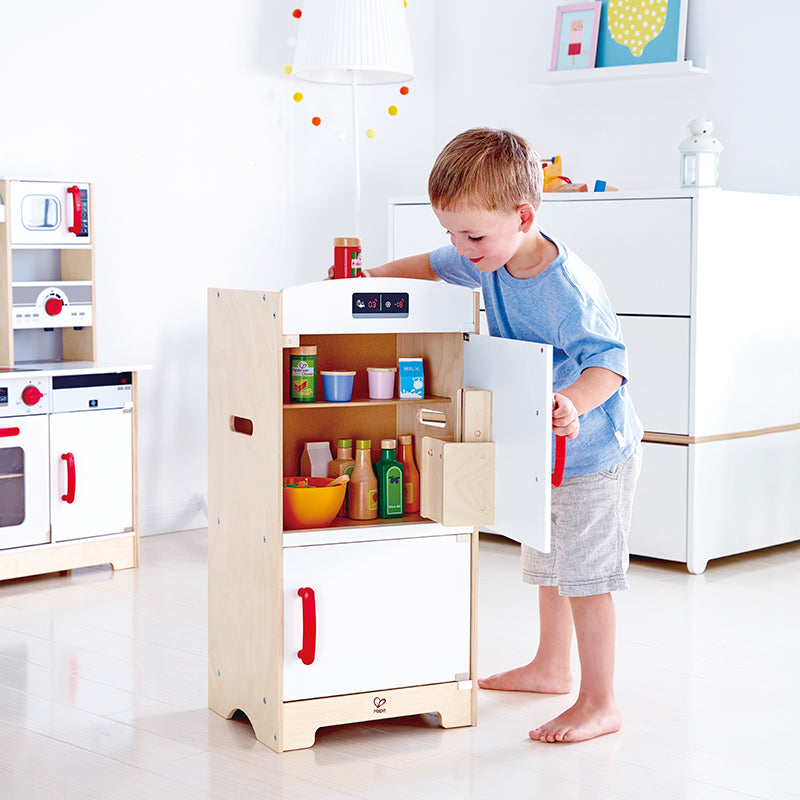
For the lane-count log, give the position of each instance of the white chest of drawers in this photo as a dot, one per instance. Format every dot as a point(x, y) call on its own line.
point(705, 283)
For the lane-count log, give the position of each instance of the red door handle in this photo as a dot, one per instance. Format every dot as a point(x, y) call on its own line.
point(69, 497)
point(9, 432)
point(306, 655)
point(77, 210)
point(561, 456)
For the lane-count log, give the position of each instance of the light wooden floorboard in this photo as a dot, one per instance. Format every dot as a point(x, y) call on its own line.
point(103, 694)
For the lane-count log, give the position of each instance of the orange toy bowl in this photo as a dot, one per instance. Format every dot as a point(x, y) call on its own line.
point(315, 506)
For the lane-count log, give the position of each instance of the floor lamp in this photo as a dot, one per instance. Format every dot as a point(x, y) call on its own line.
point(353, 42)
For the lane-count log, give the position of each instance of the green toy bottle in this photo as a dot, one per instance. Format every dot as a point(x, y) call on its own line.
point(390, 474)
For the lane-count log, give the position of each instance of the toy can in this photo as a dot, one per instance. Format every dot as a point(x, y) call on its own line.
point(346, 257)
point(303, 372)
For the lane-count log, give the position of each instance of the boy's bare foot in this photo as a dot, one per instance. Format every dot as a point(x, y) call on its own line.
point(530, 678)
point(585, 720)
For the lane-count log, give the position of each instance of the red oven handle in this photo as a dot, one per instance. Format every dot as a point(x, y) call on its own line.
point(77, 210)
point(306, 655)
point(69, 497)
point(9, 432)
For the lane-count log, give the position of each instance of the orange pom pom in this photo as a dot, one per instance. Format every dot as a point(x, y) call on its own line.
point(315, 121)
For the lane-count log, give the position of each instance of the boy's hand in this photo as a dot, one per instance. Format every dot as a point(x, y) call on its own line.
point(565, 417)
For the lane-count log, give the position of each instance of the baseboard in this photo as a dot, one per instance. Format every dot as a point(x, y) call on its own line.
point(174, 517)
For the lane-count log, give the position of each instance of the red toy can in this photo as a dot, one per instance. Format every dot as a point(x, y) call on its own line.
point(346, 257)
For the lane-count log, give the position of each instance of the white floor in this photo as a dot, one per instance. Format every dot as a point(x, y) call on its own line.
point(103, 694)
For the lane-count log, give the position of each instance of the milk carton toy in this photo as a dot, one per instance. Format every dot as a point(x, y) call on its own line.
point(411, 378)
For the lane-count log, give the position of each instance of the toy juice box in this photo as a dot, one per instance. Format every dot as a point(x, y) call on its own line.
point(411, 377)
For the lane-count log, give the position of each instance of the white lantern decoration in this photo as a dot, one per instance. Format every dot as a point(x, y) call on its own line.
point(700, 155)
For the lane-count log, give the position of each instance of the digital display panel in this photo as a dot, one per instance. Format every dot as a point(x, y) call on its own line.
point(392, 305)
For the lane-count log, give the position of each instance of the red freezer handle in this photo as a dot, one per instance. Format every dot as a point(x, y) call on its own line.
point(9, 432)
point(77, 210)
point(69, 497)
point(561, 456)
point(306, 655)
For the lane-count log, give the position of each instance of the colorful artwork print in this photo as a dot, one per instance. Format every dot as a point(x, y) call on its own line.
point(575, 38)
point(641, 32)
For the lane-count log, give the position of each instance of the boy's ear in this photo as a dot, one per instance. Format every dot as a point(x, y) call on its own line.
point(527, 216)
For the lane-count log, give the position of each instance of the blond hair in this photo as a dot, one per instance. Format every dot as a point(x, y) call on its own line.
point(486, 168)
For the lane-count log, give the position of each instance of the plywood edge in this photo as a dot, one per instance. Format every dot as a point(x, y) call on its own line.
point(682, 439)
point(245, 537)
point(451, 701)
point(118, 550)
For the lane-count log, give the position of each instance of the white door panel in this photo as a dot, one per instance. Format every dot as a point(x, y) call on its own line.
point(101, 446)
point(388, 614)
point(520, 377)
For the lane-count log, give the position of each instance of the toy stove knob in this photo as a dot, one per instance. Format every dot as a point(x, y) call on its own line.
point(31, 395)
point(53, 306)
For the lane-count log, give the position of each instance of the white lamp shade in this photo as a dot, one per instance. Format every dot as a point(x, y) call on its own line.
point(339, 40)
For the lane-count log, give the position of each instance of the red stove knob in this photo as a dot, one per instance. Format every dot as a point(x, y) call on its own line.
point(31, 395)
point(53, 306)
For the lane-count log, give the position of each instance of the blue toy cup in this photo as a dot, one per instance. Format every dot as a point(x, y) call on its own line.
point(337, 386)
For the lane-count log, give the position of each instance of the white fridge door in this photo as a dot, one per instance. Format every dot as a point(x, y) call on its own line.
point(520, 377)
point(387, 614)
point(102, 484)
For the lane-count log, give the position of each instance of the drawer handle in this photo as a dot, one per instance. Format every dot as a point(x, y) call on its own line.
point(69, 497)
point(561, 457)
point(306, 655)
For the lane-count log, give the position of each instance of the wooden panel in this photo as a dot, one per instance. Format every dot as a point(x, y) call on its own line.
point(660, 522)
point(367, 638)
point(6, 317)
point(746, 334)
point(414, 229)
point(457, 482)
point(659, 362)
point(640, 248)
point(245, 519)
point(119, 551)
point(743, 495)
point(452, 701)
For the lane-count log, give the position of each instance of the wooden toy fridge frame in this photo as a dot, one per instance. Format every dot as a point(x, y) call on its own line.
point(255, 437)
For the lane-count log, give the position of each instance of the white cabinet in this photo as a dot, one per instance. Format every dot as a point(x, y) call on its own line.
point(705, 283)
point(386, 614)
point(91, 474)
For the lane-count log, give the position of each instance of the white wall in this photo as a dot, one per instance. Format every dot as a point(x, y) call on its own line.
point(207, 173)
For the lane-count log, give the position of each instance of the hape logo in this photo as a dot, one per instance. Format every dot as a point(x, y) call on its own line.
point(379, 702)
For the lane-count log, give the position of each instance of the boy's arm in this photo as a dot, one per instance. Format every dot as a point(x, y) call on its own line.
point(594, 386)
point(418, 266)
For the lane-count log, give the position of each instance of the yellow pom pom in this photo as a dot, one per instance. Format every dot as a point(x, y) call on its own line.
point(297, 97)
point(393, 110)
point(370, 133)
point(287, 70)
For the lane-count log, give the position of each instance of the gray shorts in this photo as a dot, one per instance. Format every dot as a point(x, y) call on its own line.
point(590, 521)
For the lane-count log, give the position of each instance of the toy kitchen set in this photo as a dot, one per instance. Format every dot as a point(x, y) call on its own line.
point(362, 619)
point(67, 422)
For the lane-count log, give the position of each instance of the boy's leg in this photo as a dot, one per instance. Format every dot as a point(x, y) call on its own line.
point(595, 712)
point(550, 671)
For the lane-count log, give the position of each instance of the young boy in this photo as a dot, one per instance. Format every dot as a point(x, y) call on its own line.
point(485, 189)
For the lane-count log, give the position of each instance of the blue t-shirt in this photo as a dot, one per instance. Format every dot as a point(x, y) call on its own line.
point(567, 307)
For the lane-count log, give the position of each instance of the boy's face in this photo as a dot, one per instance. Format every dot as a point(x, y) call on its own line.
point(489, 239)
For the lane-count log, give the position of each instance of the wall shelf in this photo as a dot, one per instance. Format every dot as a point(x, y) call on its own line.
point(670, 69)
